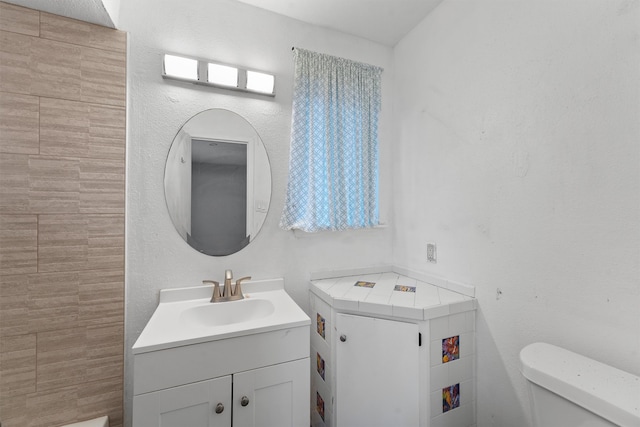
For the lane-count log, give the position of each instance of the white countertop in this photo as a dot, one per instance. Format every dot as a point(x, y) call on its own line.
point(420, 299)
point(166, 328)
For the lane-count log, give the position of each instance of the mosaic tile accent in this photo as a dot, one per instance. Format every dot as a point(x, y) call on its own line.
point(363, 284)
point(450, 397)
point(450, 349)
point(320, 322)
point(320, 363)
point(320, 405)
point(404, 288)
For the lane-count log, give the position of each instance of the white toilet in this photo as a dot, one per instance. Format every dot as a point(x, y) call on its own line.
point(570, 390)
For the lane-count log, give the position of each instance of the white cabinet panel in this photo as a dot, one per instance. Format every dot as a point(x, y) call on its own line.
point(377, 372)
point(276, 395)
point(192, 405)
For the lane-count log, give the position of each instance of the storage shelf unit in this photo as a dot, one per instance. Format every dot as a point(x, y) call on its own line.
point(358, 323)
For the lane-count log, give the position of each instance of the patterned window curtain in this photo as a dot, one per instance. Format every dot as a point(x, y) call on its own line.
point(333, 164)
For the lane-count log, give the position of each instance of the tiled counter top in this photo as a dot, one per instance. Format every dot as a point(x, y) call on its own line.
point(393, 294)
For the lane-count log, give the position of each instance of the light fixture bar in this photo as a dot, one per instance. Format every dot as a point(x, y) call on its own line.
point(260, 82)
point(223, 75)
point(180, 67)
point(210, 73)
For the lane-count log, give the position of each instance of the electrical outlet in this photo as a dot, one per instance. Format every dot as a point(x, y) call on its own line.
point(432, 255)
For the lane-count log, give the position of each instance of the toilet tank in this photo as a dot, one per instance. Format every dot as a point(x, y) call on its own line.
point(571, 387)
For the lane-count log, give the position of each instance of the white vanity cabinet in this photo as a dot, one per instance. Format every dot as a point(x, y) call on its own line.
point(269, 396)
point(231, 364)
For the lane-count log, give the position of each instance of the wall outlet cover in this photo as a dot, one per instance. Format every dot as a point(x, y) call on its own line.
point(432, 255)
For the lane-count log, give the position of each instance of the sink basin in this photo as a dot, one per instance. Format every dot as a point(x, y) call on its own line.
point(185, 316)
point(227, 313)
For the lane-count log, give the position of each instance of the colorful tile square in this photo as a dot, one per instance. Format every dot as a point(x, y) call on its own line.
point(450, 349)
point(320, 363)
point(364, 284)
point(320, 405)
point(320, 324)
point(403, 288)
point(450, 397)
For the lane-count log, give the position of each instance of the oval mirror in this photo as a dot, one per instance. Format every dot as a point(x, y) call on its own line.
point(217, 182)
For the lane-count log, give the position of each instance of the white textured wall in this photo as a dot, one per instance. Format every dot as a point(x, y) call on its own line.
point(235, 33)
point(113, 9)
point(518, 153)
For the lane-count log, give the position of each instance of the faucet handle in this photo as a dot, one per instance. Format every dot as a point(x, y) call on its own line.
point(216, 289)
point(238, 289)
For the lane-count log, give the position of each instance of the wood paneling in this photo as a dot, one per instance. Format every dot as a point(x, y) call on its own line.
point(54, 185)
point(104, 352)
point(64, 127)
point(48, 408)
point(14, 309)
point(61, 358)
point(62, 152)
point(101, 297)
point(105, 245)
point(102, 186)
point(19, 120)
point(19, 20)
point(96, 399)
point(53, 301)
point(15, 62)
point(62, 29)
point(18, 365)
point(103, 77)
point(62, 243)
point(18, 244)
point(14, 184)
point(59, 28)
point(56, 69)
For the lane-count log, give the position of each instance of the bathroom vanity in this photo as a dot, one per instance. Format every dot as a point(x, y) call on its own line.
point(235, 363)
point(391, 347)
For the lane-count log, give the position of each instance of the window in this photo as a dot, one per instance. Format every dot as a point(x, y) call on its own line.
point(333, 164)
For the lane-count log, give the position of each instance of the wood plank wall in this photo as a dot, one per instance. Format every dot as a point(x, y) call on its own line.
point(62, 171)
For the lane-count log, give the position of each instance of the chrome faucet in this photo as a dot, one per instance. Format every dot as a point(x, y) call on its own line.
point(228, 294)
point(228, 276)
point(216, 290)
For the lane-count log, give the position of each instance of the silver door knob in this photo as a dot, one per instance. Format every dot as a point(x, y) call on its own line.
point(219, 408)
point(244, 401)
point(343, 337)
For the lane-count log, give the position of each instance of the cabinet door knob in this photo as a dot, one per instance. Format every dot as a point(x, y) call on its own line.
point(219, 408)
point(244, 401)
point(343, 337)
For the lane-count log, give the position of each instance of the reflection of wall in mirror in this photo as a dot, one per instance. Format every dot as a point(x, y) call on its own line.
point(178, 183)
point(261, 188)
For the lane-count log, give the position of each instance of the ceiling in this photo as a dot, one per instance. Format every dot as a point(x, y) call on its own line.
point(382, 21)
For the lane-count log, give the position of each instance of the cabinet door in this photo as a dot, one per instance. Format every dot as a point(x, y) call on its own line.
point(277, 395)
point(376, 372)
point(191, 405)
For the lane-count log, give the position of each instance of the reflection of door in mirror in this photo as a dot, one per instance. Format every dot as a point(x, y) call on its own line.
point(217, 144)
point(221, 195)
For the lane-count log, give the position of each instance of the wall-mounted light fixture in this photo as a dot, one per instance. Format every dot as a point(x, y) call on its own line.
point(205, 72)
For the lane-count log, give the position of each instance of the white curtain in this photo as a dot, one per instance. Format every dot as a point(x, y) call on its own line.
point(333, 164)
